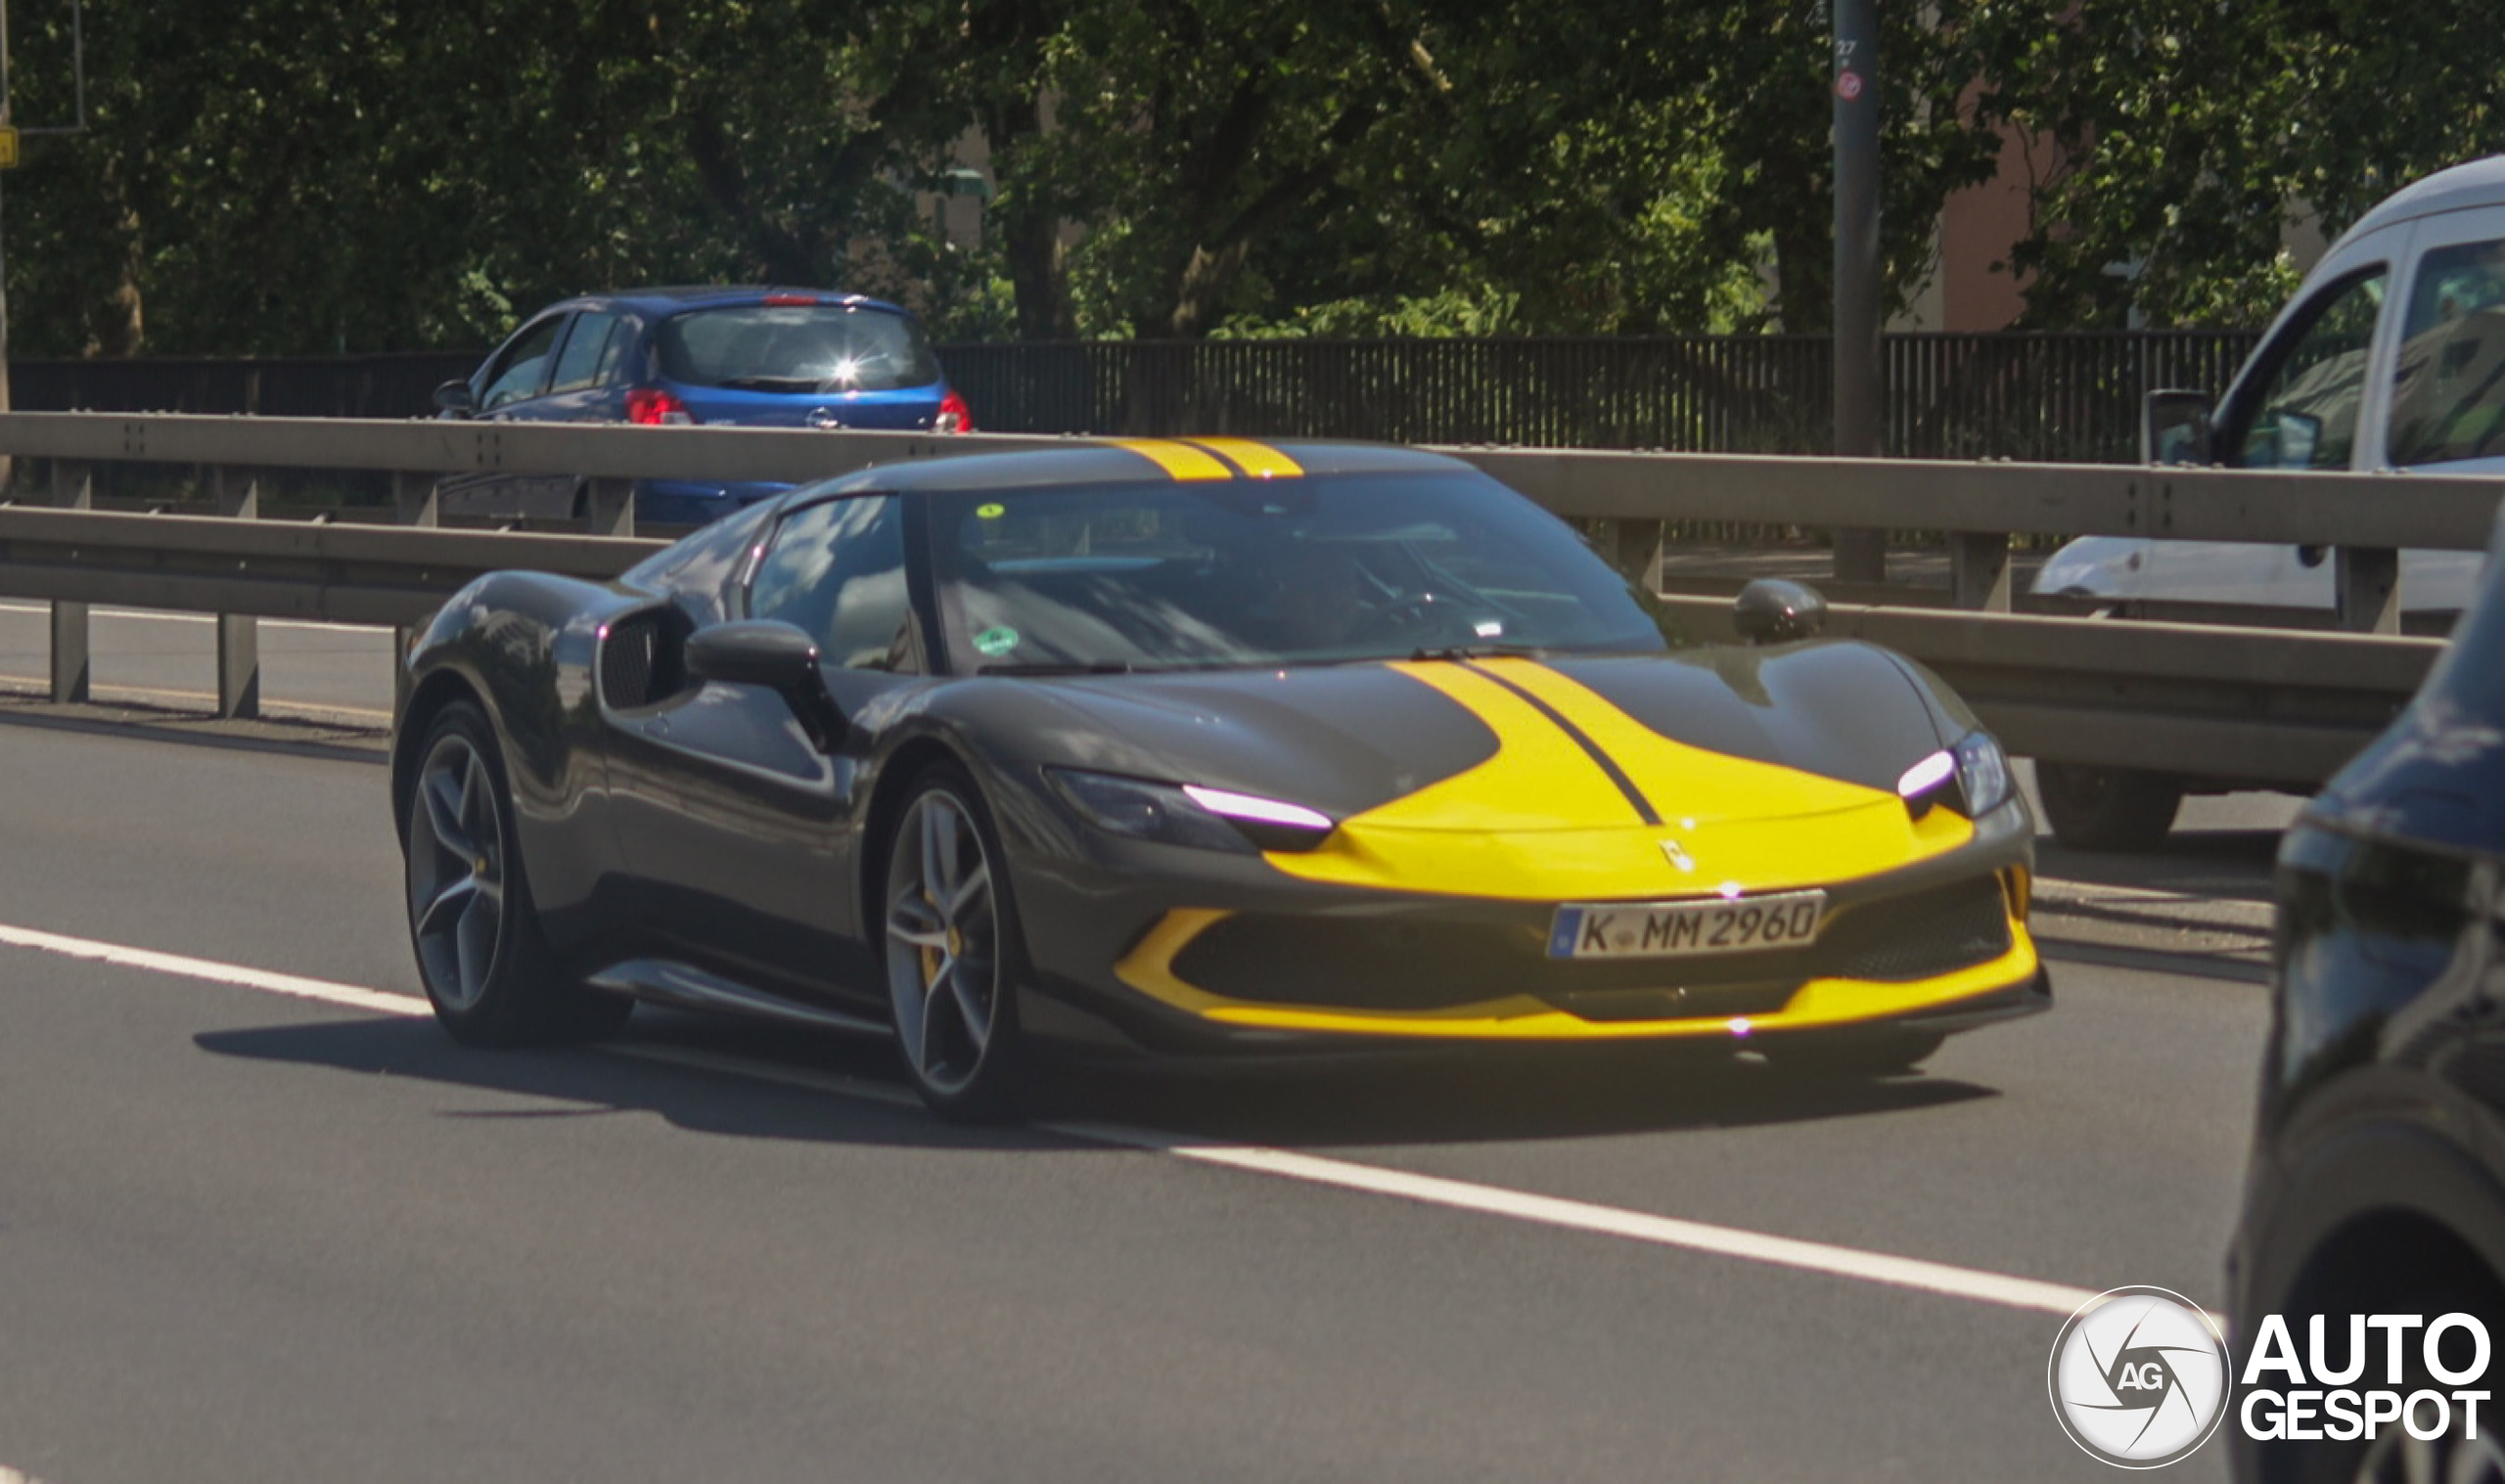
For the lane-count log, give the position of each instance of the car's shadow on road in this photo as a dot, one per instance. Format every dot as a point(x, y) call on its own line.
point(755, 1081)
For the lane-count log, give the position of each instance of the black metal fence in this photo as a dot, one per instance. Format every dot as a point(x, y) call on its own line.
point(2061, 397)
point(2057, 397)
point(400, 385)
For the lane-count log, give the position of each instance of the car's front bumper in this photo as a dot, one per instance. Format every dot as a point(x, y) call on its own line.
point(1185, 950)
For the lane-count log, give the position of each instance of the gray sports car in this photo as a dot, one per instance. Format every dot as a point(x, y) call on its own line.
point(1192, 745)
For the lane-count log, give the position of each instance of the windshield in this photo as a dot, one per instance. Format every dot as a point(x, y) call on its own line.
point(1303, 572)
point(796, 347)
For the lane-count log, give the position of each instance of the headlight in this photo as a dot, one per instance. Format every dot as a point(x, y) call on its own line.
point(1188, 813)
point(1976, 765)
point(1983, 774)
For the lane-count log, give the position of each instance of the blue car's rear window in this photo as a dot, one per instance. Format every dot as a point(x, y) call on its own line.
point(797, 348)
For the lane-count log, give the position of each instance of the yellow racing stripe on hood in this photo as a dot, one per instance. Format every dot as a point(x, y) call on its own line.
point(1260, 460)
point(1681, 781)
point(1542, 820)
point(1180, 459)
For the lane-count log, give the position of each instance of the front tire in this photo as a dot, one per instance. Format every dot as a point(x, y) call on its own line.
point(487, 969)
point(952, 946)
point(2108, 809)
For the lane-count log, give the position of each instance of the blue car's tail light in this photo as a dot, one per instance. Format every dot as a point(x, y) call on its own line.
point(1188, 813)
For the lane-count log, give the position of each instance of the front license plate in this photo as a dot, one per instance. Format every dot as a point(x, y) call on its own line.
point(1684, 929)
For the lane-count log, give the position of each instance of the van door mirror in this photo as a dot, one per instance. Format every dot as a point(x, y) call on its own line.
point(2299, 437)
point(2174, 428)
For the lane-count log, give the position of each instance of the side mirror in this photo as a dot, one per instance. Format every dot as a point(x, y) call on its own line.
point(1772, 611)
point(769, 652)
point(454, 396)
point(2174, 428)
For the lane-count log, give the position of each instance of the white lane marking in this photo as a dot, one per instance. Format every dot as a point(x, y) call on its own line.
point(262, 979)
point(1584, 1216)
point(9, 1476)
point(151, 615)
point(1827, 1258)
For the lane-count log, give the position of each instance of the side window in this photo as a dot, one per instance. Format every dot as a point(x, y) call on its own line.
point(517, 373)
point(836, 570)
point(2448, 386)
point(620, 340)
point(2306, 415)
point(579, 364)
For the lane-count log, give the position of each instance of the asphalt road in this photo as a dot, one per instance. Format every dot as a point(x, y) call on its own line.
point(255, 1235)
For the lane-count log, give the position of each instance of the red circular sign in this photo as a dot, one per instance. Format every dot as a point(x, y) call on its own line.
point(1847, 86)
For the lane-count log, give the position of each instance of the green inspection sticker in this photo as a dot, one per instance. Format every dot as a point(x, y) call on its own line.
point(996, 642)
point(992, 513)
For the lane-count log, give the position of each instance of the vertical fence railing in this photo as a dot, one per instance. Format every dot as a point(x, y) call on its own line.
point(2063, 397)
point(2057, 397)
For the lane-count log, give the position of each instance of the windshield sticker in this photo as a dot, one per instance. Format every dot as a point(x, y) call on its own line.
point(995, 643)
point(992, 513)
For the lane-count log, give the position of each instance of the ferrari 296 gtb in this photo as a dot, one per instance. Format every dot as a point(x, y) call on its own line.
point(1180, 747)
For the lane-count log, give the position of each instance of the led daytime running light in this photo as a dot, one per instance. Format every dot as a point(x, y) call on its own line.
point(1927, 775)
point(1248, 806)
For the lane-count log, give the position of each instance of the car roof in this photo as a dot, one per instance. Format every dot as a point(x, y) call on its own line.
point(2479, 183)
point(1144, 461)
point(668, 298)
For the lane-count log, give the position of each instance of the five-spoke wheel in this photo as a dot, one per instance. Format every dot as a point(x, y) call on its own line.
point(486, 967)
point(950, 944)
point(456, 872)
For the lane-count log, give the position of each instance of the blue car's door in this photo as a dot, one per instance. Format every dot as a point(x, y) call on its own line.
point(512, 382)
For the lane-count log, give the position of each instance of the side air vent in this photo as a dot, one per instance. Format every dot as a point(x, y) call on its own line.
point(639, 660)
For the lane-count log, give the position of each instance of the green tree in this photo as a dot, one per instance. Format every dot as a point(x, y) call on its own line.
point(2192, 129)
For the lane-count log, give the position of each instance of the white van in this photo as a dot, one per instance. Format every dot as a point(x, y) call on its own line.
point(2391, 357)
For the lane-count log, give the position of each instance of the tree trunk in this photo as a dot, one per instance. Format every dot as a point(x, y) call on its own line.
point(1030, 227)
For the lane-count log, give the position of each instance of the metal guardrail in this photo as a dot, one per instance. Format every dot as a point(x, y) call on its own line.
point(2232, 702)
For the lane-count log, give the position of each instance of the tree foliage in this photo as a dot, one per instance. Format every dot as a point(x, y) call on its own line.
point(2191, 132)
point(292, 176)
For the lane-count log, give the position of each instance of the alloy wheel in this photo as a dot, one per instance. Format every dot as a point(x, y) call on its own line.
point(944, 942)
point(2397, 1457)
point(456, 863)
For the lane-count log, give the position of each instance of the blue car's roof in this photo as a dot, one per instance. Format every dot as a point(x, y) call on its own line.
point(666, 299)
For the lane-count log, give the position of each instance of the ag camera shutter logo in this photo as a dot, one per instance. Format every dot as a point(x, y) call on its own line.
point(2139, 1378)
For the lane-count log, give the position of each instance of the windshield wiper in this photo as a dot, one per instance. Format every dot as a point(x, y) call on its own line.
point(1057, 667)
point(770, 383)
point(1493, 650)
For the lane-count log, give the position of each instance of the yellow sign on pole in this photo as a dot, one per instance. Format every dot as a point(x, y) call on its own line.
point(7, 146)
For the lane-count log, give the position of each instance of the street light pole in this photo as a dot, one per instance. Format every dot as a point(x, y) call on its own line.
point(1860, 390)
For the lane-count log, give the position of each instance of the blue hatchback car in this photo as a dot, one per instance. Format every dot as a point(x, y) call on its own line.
point(761, 357)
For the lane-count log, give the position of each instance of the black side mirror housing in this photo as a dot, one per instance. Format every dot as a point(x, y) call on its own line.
point(1773, 611)
point(2174, 428)
point(454, 397)
point(769, 652)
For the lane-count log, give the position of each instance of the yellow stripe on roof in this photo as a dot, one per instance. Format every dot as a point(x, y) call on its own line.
point(1179, 460)
point(1260, 460)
